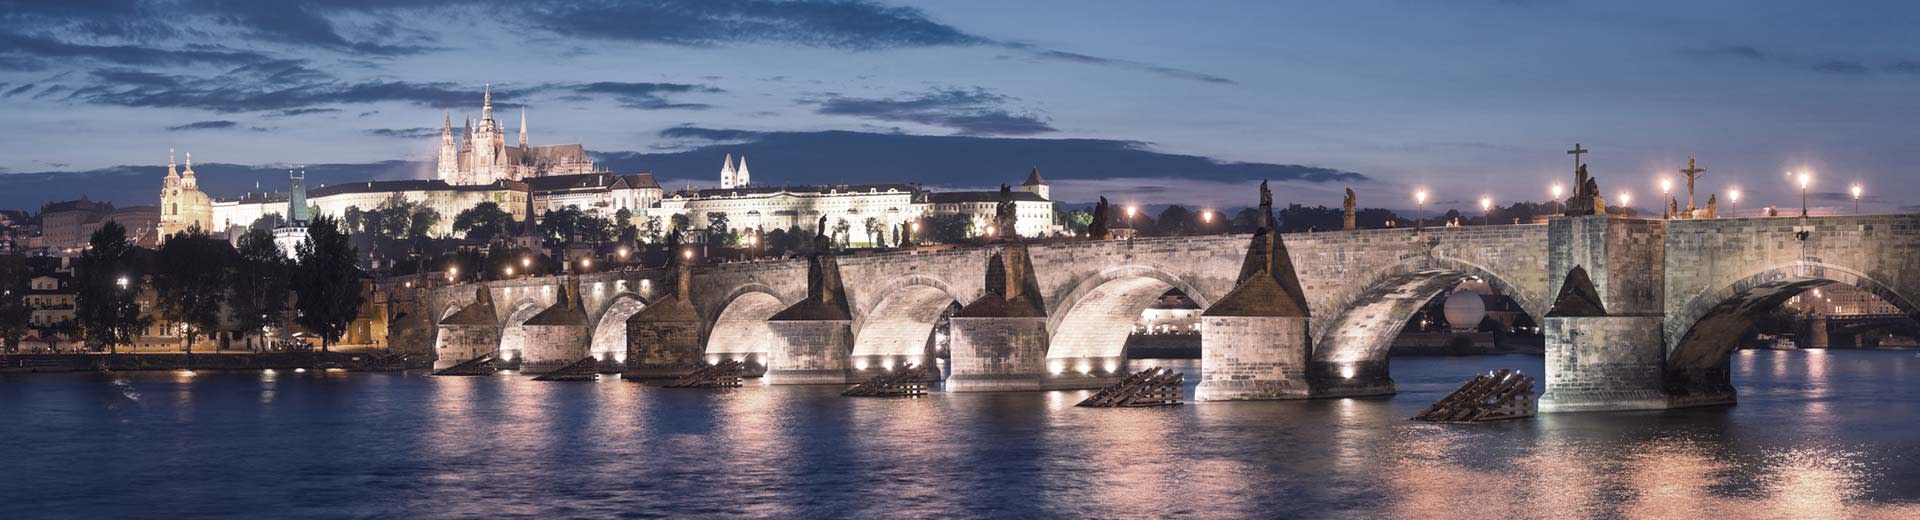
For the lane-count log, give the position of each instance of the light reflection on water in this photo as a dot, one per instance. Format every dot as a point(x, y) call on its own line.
point(1817, 434)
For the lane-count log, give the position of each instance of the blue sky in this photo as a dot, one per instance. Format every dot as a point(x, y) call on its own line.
point(1150, 102)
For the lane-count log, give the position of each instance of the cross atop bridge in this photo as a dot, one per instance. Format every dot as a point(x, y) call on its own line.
point(1692, 172)
point(1575, 152)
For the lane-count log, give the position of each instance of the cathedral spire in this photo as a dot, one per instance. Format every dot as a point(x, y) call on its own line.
point(523, 127)
point(740, 176)
point(486, 103)
point(726, 173)
point(172, 173)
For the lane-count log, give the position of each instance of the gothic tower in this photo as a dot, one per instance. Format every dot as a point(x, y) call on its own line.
point(449, 153)
point(740, 176)
point(726, 173)
point(489, 152)
point(182, 205)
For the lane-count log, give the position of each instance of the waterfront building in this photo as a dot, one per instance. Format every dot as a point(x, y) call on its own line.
point(66, 226)
point(182, 205)
point(871, 213)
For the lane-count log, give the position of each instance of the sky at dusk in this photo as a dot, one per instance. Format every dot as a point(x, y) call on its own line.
point(1147, 102)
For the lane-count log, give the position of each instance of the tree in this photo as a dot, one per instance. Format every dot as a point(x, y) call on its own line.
point(560, 226)
point(1246, 221)
point(679, 223)
point(420, 225)
point(107, 279)
point(843, 229)
point(717, 228)
point(652, 230)
point(1078, 221)
point(327, 282)
point(190, 280)
point(780, 242)
point(623, 226)
point(261, 282)
point(1101, 217)
point(947, 228)
point(15, 282)
point(354, 218)
point(1175, 221)
point(481, 223)
point(876, 232)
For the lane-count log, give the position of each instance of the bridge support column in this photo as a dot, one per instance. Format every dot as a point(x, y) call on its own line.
point(809, 352)
point(992, 354)
point(1599, 363)
point(663, 341)
point(1253, 358)
point(1254, 341)
point(558, 336)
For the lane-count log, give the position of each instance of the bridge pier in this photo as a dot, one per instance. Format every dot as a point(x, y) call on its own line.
point(1254, 341)
point(997, 353)
point(809, 352)
point(557, 336)
point(1603, 363)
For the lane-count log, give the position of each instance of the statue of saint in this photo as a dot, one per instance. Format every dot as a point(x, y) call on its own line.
point(1713, 206)
point(1350, 204)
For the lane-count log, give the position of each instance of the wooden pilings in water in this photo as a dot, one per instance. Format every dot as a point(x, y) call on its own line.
point(909, 381)
point(726, 374)
point(1150, 387)
point(481, 365)
point(1487, 397)
point(586, 369)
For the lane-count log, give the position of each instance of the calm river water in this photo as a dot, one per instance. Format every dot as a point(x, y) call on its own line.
point(1816, 434)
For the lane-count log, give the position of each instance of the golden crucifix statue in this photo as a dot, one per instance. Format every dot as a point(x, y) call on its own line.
point(1691, 172)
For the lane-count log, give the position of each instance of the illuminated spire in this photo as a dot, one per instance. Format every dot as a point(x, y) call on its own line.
point(186, 177)
point(486, 105)
point(172, 172)
point(523, 127)
point(740, 177)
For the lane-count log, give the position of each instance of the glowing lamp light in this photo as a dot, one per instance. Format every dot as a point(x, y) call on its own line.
point(1805, 179)
point(1555, 190)
point(713, 360)
point(1856, 192)
point(509, 270)
point(299, 371)
point(1734, 195)
point(1346, 372)
point(1420, 196)
point(687, 254)
point(1486, 203)
point(586, 262)
point(1626, 198)
point(888, 364)
point(1666, 185)
point(1131, 210)
point(1056, 369)
point(860, 365)
point(1206, 216)
point(623, 252)
point(122, 282)
point(526, 262)
point(453, 273)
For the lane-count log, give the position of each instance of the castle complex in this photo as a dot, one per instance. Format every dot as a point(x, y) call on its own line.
point(481, 155)
point(479, 167)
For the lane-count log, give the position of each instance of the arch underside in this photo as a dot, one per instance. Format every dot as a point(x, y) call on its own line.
point(902, 323)
point(513, 335)
point(609, 341)
point(1713, 323)
point(1098, 323)
point(742, 326)
point(1367, 328)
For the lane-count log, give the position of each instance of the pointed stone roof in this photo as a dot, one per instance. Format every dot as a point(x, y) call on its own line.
point(826, 297)
point(1578, 298)
point(1033, 178)
point(1268, 286)
point(1011, 289)
point(478, 313)
point(565, 312)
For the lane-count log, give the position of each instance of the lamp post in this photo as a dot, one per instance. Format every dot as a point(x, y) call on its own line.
point(1419, 216)
point(1856, 198)
point(1556, 191)
point(1486, 208)
point(1666, 191)
point(1805, 180)
point(1735, 197)
point(453, 274)
point(1626, 200)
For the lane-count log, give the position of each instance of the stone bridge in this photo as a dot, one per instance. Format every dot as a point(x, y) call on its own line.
point(1671, 297)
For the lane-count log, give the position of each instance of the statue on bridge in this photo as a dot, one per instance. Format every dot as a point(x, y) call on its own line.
point(1586, 195)
point(1347, 221)
point(1005, 216)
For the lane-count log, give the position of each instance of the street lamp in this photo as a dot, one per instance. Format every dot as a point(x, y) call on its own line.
point(623, 253)
point(1486, 206)
point(453, 274)
point(1856, 198)
point(1666, 190)
point(1419, 215)
point(509, 270)
point(1556, 191)
point(1626, 200)
point(1735, 197)
point(122, 282)
point(1806, 179)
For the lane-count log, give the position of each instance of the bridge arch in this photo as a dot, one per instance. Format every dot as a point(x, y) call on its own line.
point(1095, 317)
point(1701, 336)
point(609, 334)
point(899, 323)
point(740, 326)
point(1351, 339)
point(513, 332)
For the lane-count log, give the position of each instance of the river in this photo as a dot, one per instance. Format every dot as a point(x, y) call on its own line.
point(1816, 434)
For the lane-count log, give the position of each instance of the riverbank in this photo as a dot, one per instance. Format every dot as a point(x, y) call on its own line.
point(101, 362)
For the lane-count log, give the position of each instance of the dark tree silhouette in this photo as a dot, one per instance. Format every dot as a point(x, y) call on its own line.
point(262, 282)
point(15, 281)
point(326, 282)
point(190, 281)
point(107, 279)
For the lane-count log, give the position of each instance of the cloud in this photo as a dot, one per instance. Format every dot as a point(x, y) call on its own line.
point(1843, 67)
point(1735, 52)
point(851, 24)
point(1074, 57)
point(405, 133)
point(968, 111)
point(204, 125)
point(28, 52)
point(304, 111)
point(840, 157)
point(1903, 67)
point(646, 96)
